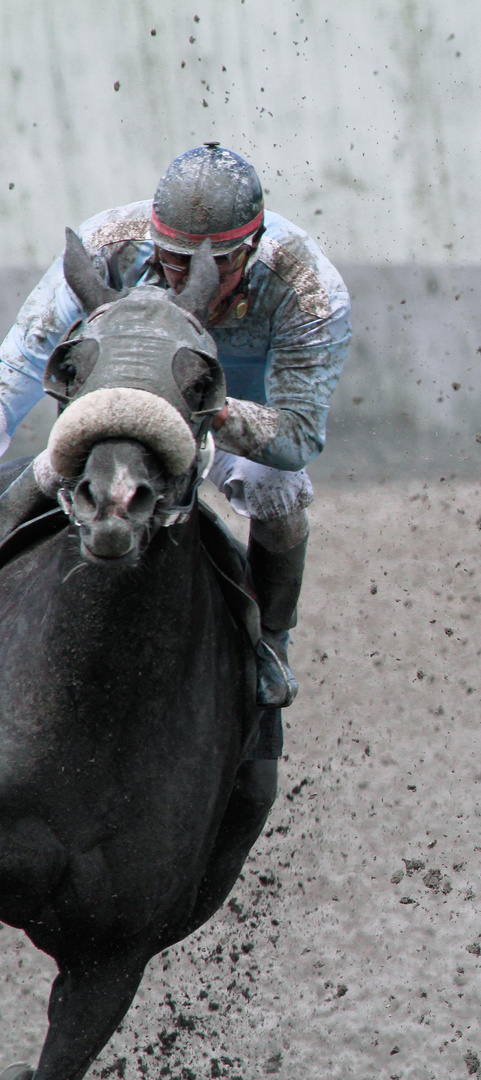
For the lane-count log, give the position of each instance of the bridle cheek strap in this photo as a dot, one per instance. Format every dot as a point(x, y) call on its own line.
point(178, 515)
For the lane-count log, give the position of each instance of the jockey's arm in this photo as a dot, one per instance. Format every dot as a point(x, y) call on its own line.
point(47, 312)
point(304, 363)
point(51, 307)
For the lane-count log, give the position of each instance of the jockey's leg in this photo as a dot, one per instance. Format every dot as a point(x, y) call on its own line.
point(275, 501)
point(276, 556)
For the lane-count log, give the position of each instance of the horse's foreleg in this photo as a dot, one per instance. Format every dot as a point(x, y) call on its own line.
point(246, 814)
point(87, 1003)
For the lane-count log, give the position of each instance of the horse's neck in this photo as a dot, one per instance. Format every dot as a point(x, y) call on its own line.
point(161, 585)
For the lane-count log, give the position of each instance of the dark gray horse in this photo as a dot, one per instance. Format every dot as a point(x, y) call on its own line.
point(127, 686)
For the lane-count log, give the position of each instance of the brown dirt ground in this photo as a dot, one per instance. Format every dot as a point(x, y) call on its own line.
point(352, 945)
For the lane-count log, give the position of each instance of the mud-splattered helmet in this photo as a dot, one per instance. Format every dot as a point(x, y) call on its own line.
point(208, 191)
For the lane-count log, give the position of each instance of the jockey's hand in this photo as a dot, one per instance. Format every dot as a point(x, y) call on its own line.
point(220, 417)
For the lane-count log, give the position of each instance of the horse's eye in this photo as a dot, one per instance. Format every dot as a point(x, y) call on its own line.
point(192, 375)
point(201, 386)
point(195, 395)
point(69, 367)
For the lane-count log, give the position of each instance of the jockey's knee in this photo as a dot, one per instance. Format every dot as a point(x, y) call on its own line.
point(278, 534)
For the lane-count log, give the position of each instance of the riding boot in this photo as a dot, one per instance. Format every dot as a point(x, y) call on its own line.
point(276, 577)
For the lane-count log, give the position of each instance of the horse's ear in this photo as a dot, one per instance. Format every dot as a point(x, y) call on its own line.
point(83, 278)
point(202, 283)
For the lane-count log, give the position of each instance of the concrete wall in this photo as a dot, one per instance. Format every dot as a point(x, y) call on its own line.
point(362, 119)
point(361, 116)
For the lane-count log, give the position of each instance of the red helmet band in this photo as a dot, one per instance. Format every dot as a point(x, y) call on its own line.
point(196, 238)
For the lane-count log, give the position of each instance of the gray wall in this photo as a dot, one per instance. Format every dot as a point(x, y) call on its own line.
point(362, 116)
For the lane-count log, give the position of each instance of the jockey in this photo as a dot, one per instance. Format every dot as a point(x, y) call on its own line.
point(280, 320)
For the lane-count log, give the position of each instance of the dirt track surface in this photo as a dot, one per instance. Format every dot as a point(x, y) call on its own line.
point(352, 946)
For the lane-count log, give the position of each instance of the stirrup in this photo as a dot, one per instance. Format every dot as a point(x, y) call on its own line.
point(276, 685)
point(19, 1071)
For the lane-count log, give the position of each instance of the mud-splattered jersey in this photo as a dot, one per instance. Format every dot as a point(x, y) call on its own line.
point(282, 343)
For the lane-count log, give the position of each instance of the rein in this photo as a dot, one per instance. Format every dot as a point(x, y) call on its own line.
point(31, 532)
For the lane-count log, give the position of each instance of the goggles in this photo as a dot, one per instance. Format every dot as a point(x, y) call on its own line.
point(226, 264)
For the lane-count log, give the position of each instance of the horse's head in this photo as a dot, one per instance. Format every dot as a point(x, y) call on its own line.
point(139, 367)
point(144, 338)
point(120, 500)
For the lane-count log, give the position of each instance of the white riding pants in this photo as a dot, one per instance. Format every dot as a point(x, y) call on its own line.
point(258, 491)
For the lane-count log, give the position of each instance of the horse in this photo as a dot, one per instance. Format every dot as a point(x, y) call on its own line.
point(127, 693)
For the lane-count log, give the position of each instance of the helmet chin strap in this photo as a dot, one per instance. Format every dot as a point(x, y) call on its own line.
point(238, 301)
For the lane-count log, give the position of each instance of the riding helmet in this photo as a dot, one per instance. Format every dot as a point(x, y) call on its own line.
point(208, 191)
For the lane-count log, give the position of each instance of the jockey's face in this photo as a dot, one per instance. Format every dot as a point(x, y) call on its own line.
point(230, 267)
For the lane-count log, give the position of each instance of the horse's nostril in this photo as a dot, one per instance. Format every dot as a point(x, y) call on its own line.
point(84, 498)
point(142, 501)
